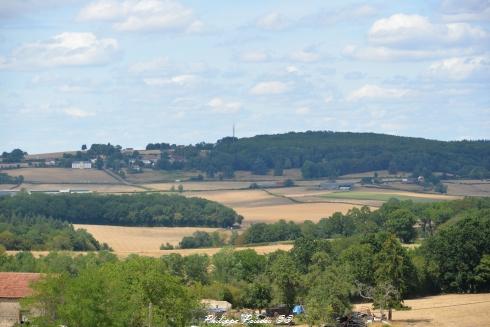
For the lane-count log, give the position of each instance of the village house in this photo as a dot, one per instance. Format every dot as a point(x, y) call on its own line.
point(13, 287)
point(81, 165)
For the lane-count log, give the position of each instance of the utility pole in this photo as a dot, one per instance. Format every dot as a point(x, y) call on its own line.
point(149, 314)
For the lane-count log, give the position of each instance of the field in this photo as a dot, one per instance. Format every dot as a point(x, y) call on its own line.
point(385, 196)
point(63, 175)
point(141, 239)
point(451, 310)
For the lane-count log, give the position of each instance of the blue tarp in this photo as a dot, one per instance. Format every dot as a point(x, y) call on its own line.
point(298, 309)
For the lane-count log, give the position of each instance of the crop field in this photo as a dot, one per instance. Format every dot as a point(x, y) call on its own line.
point(451, 310)
point(382, 196)
point(141, 239)
point(155, 176)
point(102, 188)
point(200, 186)
point(63, 175)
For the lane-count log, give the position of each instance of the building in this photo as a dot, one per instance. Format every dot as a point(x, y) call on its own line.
point(13, 287)
point(216, 306)
point(81, 165)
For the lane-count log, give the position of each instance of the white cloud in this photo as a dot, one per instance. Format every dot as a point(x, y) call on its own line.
point(65, 49)
point(78, 113)
point(143, 15)
point(303, 110)
point(179, 80)
point(460, 68)
point(254, 56)
point(305, 56)
point(149, 66)
point(328, 99)
point(270, 87)
point(221, 106)
point(272, 21)
point(370, 91)
point(413, 30)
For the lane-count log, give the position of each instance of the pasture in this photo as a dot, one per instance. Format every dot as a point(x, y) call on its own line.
point(384, 196)
point(450, 310)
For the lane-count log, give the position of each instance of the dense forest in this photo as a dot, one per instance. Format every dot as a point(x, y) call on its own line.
point(129, 210)
point(331, 154)
point(40, 233)
point(317, 273)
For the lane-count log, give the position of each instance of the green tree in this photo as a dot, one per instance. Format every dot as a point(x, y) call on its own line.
point(401, 223)
point(257, 295)
point(285, 277)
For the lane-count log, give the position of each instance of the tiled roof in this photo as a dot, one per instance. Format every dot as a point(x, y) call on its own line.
point(16, 285)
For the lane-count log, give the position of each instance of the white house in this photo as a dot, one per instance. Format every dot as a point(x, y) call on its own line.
point(81, 165)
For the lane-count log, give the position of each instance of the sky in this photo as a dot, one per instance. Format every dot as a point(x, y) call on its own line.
point(131, 72)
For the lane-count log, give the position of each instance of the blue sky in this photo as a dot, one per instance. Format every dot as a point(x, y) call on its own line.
point(132, 72)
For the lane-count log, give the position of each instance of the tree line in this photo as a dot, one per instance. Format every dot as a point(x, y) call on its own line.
point(39, 233)
point(129, 210)
point(7, 179)
point(326, 276)
point(405, 219)
point(330, 154)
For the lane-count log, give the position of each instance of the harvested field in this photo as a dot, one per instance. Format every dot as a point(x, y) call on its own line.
point(141, 239)
point(385, 196)
point(63, 176)
point(468, 187)
point(297, 212)
point(102, 188)
point(451, 310)
point(261, 249)
point(200, 186)
point(155, 176)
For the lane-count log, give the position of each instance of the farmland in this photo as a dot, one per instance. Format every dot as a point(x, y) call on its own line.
point(141, 239)
point(385, 196)
point(63, 176)
point(449, 310)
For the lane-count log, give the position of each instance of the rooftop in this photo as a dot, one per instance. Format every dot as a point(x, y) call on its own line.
point(16, 285)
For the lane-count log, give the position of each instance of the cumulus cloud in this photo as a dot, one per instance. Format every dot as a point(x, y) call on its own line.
point(461, 68)
point(65, 49)
point(272, 21)
point(270, 87)
point(78, 113)
point(221, 106)
point(143, 15)
point(178, 80)
point(414, 30)
point(370, 91)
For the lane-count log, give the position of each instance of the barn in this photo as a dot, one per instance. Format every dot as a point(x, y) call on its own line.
point(13, 287)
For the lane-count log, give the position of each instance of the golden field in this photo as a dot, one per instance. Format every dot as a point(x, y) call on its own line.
point(450, 310)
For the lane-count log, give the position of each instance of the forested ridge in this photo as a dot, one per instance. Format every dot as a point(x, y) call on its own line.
point(129, 210)
point(327, 153)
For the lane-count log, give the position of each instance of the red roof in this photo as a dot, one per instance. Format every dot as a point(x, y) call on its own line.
point(16, 285)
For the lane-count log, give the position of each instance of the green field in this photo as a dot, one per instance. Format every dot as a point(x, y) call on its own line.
point(374, 196)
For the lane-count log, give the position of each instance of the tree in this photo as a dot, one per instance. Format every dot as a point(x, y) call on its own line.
point(286, 278)
point(180, 188)
point(278, 169)
point(400, 222)
point(259, 167)
point(392, 270)
point(84, 147)
point(328, 297)
point(257, 295)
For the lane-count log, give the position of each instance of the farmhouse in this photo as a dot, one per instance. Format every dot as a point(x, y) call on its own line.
point(81, 165)
point(336, 186)
point(13, 287)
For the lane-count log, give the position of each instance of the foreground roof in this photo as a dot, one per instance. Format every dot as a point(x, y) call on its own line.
point(16, 285)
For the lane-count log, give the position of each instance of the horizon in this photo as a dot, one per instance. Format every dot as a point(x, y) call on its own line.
point(140, 71)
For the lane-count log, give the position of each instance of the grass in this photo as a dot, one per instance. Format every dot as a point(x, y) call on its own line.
point(375, 196)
